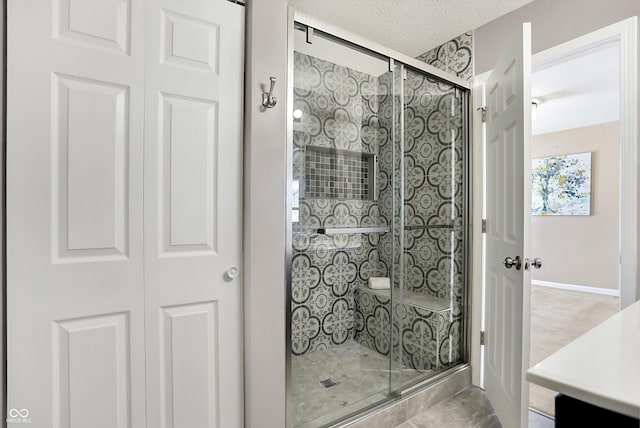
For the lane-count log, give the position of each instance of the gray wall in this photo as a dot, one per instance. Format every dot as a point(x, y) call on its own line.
point(582, 250)
point(264, 199)
point(552, 22)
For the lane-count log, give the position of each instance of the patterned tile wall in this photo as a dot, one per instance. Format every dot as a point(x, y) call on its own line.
point(455, 56)
point(389, 167)
point(433, 258)
point(433, 190)
point(339, 106)
point(346, 109)
point(433, 187)
point(430, 339)
point(340, 111)
point(373, 320)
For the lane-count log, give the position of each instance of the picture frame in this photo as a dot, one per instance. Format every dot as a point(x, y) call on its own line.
point(561, 185)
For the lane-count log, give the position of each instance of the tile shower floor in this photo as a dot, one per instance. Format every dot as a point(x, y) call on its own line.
point(361, 377)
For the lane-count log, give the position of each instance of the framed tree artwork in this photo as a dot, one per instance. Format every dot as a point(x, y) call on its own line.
point(561, 185)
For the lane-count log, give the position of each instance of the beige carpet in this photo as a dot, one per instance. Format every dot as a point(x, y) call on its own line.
point(557, 318)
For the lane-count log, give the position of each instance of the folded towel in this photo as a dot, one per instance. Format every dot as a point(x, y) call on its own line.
point(379, 283)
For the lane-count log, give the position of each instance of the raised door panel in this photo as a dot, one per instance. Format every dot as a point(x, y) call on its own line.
point(104, 24)
point(188, 167)
point(92, 372)
point(190, 366)
point(90, 159)
point(190, 41)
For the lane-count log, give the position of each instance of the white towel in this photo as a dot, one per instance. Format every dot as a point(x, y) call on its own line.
point(379, 283)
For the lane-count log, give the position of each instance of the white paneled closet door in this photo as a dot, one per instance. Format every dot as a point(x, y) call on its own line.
point(193, 216)
point(120, 316)
point(75, 293)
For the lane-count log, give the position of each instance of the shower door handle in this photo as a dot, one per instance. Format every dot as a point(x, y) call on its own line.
point(509, 263)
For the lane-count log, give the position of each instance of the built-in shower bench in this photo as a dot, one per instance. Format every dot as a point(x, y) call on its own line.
point(419, 300)
point(429, 326)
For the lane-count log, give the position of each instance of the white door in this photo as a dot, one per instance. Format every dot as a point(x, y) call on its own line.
point(193, 216)
point(508, 98)
point(75, 291)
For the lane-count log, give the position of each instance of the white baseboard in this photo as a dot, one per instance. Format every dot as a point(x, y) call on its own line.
point(573, 287)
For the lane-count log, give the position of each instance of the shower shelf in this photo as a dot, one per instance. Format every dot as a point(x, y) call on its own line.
point(352, 230)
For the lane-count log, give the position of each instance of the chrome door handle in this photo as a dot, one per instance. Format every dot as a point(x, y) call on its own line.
point(535, 263)
point(509, 263)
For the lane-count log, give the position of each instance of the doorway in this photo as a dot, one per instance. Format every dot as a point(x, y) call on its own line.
point(625, 33)
point(576, 200)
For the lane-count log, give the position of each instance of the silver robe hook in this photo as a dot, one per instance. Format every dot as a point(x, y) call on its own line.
point(268, 100)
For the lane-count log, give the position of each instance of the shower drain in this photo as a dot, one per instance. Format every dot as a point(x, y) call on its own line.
point(328, 383)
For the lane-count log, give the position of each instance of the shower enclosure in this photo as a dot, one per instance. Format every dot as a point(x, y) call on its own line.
point(378, 188)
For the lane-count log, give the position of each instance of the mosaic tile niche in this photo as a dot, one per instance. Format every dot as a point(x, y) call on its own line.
point(347, 110)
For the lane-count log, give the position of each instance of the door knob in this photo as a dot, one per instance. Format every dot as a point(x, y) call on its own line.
point(232, 272)
point(509, 263)
point(536, 263)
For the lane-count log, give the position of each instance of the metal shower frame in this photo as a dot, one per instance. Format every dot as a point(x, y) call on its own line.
point(355, 41)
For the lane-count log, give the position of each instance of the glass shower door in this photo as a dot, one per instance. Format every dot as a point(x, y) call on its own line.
point(341, 220)
point(393, 164)
point(378, 220)
point(434, 221)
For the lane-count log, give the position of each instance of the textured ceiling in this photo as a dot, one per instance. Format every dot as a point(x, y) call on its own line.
point(409, 26)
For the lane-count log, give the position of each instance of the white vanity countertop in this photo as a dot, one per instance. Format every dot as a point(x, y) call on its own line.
point(602, 367)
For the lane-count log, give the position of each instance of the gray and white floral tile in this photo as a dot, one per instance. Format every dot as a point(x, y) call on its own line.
point(455, 56)
point(349, 110)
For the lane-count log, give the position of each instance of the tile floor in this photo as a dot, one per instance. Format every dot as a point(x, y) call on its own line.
point(470, 408)
point(362, 379)
point(538, 420)
point(361, 376)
